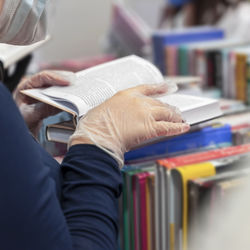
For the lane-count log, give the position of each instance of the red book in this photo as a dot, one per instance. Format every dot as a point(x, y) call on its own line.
point(204, 156)
point(140, 211)
point(240, 126)
point(143, 209)
point(136, 215)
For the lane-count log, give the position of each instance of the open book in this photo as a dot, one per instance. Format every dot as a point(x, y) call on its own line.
point(95, 85)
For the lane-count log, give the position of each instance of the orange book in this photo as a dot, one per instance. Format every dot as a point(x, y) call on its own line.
point(240, 77)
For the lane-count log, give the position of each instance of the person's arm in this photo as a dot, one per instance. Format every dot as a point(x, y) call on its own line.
point(92, 185)
point(30, 213)
point(31, 216)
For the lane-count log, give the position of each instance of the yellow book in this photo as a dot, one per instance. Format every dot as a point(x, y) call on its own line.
point(181, 176)
point(240, 77)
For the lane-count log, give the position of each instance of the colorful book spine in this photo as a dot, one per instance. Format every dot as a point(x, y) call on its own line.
point(143, 210)
point(171, 60)
point(128, 203)
point(205, 138)
point(183, 61)
point(231, 78)
point(248, 80)
point(204, 156)
point(200, 66)
point(161, 39)
point(187, 173)
point(137, 243)
point(240, 77)
point(150, 200)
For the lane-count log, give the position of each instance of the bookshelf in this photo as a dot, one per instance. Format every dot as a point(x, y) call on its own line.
point(188, 199)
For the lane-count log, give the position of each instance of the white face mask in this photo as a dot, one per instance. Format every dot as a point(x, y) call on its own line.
point(23, 22)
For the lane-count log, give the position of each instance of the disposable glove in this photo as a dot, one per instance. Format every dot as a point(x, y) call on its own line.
point(33, 111)
point(128, 119)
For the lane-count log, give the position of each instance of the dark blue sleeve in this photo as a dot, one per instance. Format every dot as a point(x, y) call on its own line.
point(31, 216)
point(92, 185)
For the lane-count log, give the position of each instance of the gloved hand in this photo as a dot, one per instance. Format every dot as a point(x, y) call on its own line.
point(33, 111)
point(127, 119)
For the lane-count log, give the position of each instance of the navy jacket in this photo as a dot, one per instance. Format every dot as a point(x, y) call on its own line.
point(46, 206)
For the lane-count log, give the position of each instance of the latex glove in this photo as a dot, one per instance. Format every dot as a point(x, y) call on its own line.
point(33, 111)
point(127, 119)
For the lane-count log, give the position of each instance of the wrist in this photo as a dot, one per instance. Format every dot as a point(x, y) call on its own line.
point(77, 141)
point(104, 145)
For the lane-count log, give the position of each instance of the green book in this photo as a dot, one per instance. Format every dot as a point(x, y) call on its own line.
point(128, 213)
point(183, 60)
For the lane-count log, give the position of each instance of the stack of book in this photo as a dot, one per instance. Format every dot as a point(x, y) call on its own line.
point(171, 203)
point(223, 64)
point(175, 202)
point(162, 40)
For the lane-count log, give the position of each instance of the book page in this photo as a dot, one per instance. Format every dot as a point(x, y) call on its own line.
point(186, 102)
point(95, 85)
point(58, 103)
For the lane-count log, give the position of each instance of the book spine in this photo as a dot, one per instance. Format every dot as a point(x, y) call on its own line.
point(200, 66)
point(189, 172)
point(231, 72)
point(131, 208)
point(240, 77)
point(225, 74)
point(143, 210)
point(248, 80)
point(183, 63)
point(191, 53)
point(158, 240)
point(158, 52)
point(209, 137)
point(136, 215)
point(218, 69)
point(125, 232)
point(131, 219)
point(214, 68)
point(171, 54)
point(150, 211)
point(205, 156)
point(210, 68)
point(193, 213)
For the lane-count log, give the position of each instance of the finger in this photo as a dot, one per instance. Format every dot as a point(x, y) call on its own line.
point(170, 129)
point(166, 114)
point(45, 79)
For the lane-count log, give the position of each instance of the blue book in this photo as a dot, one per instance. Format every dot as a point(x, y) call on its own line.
point(205, 138)
point(161, 39)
